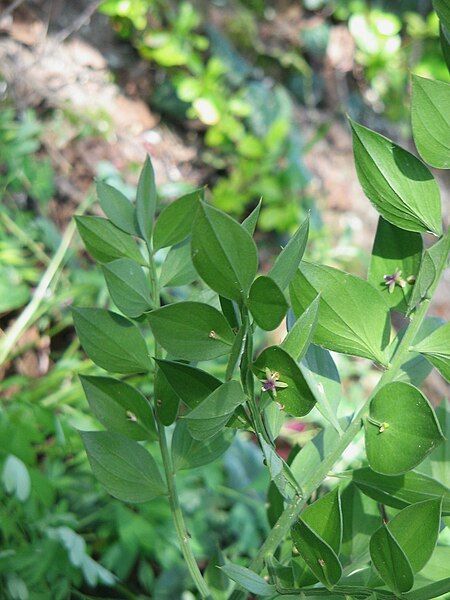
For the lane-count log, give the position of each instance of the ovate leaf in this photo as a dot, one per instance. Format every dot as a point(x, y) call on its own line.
point(174, 224)
point(401, 429)
point(297, 341)
point(401, 490)
point(324, 517)
point(249, 223)
point(122, 466)
point(267, 303)
point(396, 258)
point(210, 417)
point(120, 407)
point(191, 385)
point(431, 121)
point(105, 242)
point(189, 453)
point(177, 268)
point(117, 208)
point(16, 478)
point(390, 561)
point(436, 348)
point(296, 397)
point(288, 261)
point(223, 253)
point(167, 400)
point(353, 316)
point(146, 200)
point(249, 580)
point(443, 10)
point(397, 183)
point(416, 530)
point(128, 287)
point(191, 330)
point(111, 341)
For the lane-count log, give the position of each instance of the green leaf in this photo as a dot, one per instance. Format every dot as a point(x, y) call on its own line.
point(297, 341)
point(361, 517)
point(324, 517)
point(117, 208)
point(216, 580)
point(390, 561)
point(249, 223)
point(249, 580)
point(146, 200)
point(237, 352)
point(223, 253)
point(191, 330)
point(401, 490)
point(430, 120)
point(443, 10)
point(436, 348)
point(279, 470)
point(353, 316)
point(321, 374)
point(444, 36)
point(395, 251)
point(308, 460)
point(401, 429)
point(105, 242)
point(177, 268)
point(128, 287)
point(167, 400)
point(416, 530)
point(297, 399)
point(111, 341)
point(191, 385)
point(439, 589)
point(189, 453)
point(317, 554)
point(434, 259)
point(397, 183)
point(120, 407)
point(16, 478)
point(437, 464)
point(212, 414)
point(174, 224)
point(122, 466)
point(267, 303)
point(288, 261)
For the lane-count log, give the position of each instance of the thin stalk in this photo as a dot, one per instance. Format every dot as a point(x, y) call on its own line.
point(174, 502)
point(292, 512)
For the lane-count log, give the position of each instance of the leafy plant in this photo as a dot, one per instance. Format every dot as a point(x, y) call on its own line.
point(339, 543)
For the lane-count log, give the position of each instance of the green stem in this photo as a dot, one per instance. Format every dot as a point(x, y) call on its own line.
point(174, 502)
point(292, 512)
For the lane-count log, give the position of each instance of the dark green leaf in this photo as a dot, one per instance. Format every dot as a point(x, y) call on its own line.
point(433, 261)
point(353, 316)
point(398, 184)
point(111, 341)
point(297, 399)
point(223, 253)
point(191, 330)
point(297, 341)
point(190, 384)
point(128, 286)
point(324, 518)
point(105, 242)
point(436, 348)
point(439, 589)
point(188, 453)
point(438, 462)
point(443, 10)
point(288, 261)
point(213, 413)
point(177, 268)
point(430, 120)
point(396, 252)
point(401, 490)
point(249, 580)
point(317, 554)
point(123, 467)
point(444, 36)
point(279, 470)
point(416, 530)
point(215, 578)
point(146, 200)
point(267, 303)
point(249, 223)
point(390, 561)
point(117, 208)
point(174, 224)
point(120, 407)
point(167, 400)
point(401, 429)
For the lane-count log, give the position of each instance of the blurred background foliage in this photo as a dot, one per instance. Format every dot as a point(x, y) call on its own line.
point(239, 83)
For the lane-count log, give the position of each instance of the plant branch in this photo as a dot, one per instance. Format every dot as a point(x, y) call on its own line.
point(292, 512)
point(174, 502)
